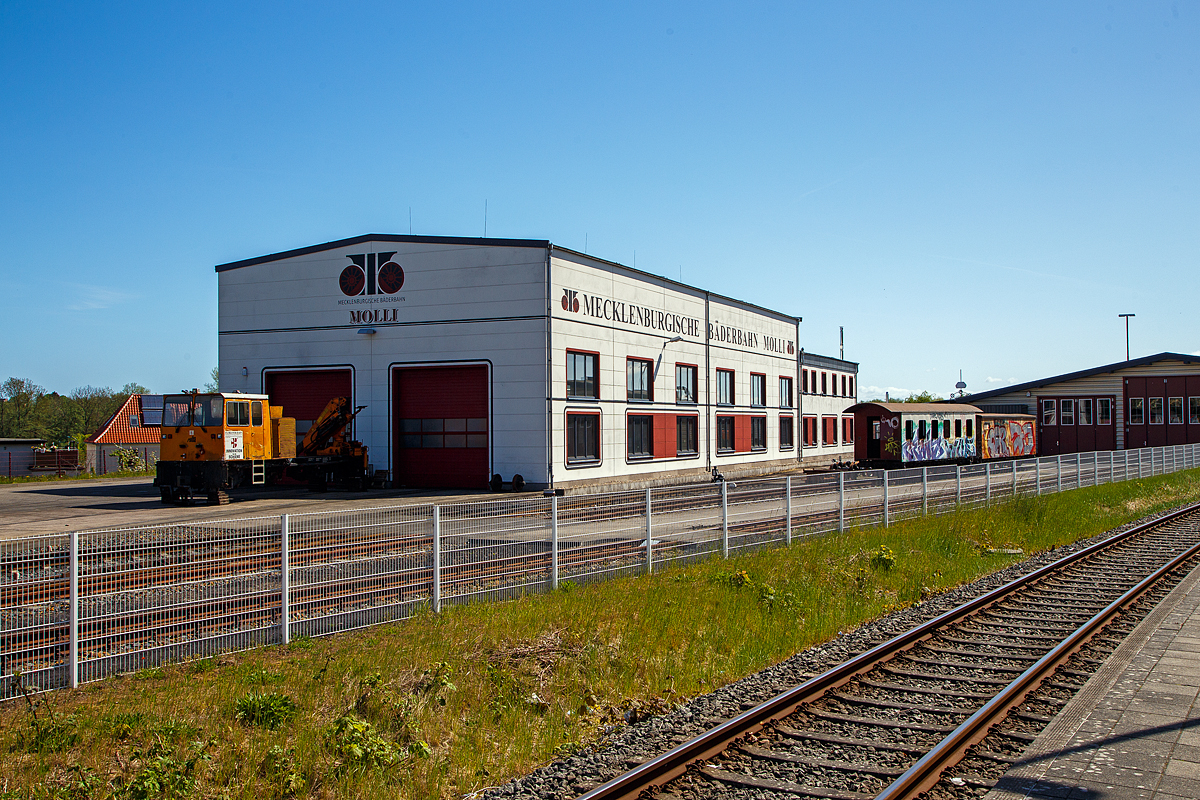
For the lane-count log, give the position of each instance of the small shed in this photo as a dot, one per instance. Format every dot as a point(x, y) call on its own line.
point(137, 424)
point(16, 456)
point(914, 432)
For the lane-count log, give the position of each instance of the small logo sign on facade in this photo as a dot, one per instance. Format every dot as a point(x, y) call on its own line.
point(570, 300)
point(371, 273)
point(234, 444)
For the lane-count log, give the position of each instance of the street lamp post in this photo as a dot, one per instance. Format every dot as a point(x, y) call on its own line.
point(1126, 316)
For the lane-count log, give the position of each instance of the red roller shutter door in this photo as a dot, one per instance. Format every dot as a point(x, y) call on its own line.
point(440, 419)
point(304, 393)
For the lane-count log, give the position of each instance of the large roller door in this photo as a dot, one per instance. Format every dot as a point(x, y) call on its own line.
point(440, 420)
point(304, 393)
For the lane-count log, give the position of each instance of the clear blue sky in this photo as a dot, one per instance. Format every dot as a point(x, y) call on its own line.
point(961, 185)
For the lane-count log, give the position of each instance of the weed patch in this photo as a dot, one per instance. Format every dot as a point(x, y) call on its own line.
point(268, 710)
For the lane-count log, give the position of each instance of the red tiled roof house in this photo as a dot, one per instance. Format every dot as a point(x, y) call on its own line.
point(131, 426)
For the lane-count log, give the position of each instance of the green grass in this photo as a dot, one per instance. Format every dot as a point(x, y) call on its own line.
point(82, 476)
point(440, 705)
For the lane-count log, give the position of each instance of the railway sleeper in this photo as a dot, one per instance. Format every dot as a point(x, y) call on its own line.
point(1004, 656)
point(787, 787)
point(1007, 647)
point(840, 766)
point(868, 701)
point(880, 722)
point(929, 676)
point(933, 662)
point(897, 687)
point(828, 738)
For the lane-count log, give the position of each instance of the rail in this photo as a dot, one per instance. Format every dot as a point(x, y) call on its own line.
point(78, 607)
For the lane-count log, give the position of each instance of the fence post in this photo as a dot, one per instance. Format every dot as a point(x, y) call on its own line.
point(725, 519)
point(73, 613)
point(958, 484)
point(1037, 475)
point(1078, 470)
point(1125, 472)
point(841, 502)
point(1112, 465)
point(649, 540)
point(1014, 465)
point(285, 580)
point(553, 541)
point(924, 491)
point(437, 559)
point(1058, 470)
point(787, 511)
point(987, 483)
point(885, 499)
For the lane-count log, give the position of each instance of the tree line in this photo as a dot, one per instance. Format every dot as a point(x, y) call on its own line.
point(28, 411)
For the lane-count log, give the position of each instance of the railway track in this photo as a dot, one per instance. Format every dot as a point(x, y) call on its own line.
point(960, 696)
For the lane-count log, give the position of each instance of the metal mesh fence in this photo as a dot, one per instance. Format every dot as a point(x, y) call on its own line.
point(78, 607)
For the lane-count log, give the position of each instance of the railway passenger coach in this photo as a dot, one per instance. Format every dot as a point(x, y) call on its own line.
point(923, 433)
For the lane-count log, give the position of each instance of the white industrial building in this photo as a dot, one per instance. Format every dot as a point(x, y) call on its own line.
point(477, 357)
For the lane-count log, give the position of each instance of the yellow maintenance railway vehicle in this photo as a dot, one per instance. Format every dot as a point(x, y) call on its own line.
point(212, 442)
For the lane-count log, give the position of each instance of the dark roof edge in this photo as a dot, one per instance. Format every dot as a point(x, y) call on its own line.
point(808, 359)
point(665, 279)
point(381, 237)
point(1084, 373)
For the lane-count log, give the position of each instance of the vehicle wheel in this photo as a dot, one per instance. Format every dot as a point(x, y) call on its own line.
point(518, 483)
point(497, 483)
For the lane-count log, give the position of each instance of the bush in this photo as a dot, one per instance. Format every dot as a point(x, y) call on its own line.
point(268, 709)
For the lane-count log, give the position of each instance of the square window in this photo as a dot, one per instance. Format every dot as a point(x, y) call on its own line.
point(725, 395)
point(725, 434)
point(582, 372)
point(786, 442)
point(685, 383)
point(639, 379)
point(758, 389)
point(1156, 411)
point(1066, 413)
point(133, 421)
point(785, 392)
point(1175, 410)
point(758, 433)
point(583, 438)
point(1194, 410)
point(685, 436)
point(640, 437)
point(1104, 411)
point(1085, 412)
point(1049, 413)
point(237, 413)
point(829, 431)
point(1137, 411)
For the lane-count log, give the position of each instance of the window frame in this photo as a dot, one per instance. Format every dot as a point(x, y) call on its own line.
point(582, 461)
point(785, 391)
point(804, 381)
point(787, 442)
point(1162, 417)
point(240, 405)
point(1140, 417)
point(1085, 417)
point(1066, 411)
point(730, 376)
point(1104, 409)
point(847, 430)
point(594, 355)
point(726, 421)
point(694, 433)
point(641, 419)
point(824, 384)
point(695, 379)
point(759, 423)
point(827, 428)
point(809, 441)
point(648, 365)
point(1049, 413)
point(1194, 410)
point(759, 379)
point(1171, 411)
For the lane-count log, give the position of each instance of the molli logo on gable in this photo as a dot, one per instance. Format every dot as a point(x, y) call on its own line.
point(371, 273)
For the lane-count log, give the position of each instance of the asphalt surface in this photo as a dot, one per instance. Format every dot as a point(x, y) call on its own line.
point(34, 509)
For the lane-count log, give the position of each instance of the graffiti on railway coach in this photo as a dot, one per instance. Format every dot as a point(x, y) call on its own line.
point(1006, 438)
point(938, 449)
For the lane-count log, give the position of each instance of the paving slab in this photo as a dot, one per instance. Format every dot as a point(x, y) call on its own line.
point(1133, 730)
